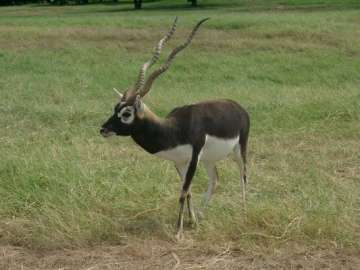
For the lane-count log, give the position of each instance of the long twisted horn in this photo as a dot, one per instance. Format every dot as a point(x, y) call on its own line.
point(168, 61)
point(141, 78)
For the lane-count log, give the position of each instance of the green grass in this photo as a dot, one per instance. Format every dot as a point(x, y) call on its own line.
point(293, 64)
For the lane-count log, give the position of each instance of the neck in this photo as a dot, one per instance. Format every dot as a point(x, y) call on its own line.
point(153, 133)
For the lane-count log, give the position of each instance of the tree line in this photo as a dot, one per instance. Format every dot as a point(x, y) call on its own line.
point(137, 3)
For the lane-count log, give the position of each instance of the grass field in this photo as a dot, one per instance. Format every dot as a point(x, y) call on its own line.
point(294, 65)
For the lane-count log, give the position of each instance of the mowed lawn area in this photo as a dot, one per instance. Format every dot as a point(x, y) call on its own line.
point(294, 65)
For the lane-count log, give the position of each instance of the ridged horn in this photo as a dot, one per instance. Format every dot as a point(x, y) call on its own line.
point(141, 78)
point(169, 60)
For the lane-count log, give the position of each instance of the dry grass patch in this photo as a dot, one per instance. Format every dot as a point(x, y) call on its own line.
point(154, 254)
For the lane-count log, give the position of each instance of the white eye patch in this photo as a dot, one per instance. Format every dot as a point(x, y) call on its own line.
point(127, 115)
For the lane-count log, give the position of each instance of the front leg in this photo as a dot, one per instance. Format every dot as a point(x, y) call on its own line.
point(182, 170)
point(185, 191)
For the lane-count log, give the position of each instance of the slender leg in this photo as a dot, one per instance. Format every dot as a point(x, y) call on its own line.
point(213, 181)
point(192, 215)
point(242, 167)
point(185, 191)
point(182, 169)
point(180, 222)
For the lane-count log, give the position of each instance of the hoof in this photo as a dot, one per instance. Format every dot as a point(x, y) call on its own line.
point(179, 236)
point(200, 213)
point(193, 221)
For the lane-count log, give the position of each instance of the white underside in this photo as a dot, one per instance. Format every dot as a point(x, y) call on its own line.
point(213, 150)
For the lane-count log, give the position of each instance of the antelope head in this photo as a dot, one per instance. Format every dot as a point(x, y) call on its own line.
point(130, 109)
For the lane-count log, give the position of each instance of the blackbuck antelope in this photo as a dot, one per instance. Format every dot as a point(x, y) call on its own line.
point(206, 131)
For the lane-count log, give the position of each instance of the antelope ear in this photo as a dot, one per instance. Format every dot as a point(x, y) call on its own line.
point(139, 105)
point(117, 92)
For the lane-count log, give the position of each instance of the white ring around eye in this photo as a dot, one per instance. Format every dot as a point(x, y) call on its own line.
point(129, 119)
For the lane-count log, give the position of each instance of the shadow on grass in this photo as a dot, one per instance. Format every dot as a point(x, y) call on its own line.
point(147, 225)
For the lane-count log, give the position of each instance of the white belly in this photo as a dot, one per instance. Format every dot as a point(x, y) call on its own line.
point(178, 154)
point(214, 149)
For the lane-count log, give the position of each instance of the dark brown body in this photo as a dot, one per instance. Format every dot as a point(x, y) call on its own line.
point(190, 124)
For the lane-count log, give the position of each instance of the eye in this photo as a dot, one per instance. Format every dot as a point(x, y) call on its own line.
point(126, 115)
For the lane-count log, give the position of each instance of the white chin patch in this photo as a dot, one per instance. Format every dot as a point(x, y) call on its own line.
point(108, 134)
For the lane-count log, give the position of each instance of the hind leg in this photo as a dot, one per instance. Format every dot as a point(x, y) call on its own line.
point(240, 159)
point(213, 180)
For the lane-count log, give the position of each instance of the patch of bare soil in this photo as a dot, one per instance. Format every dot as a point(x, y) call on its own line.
point(165, 255)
